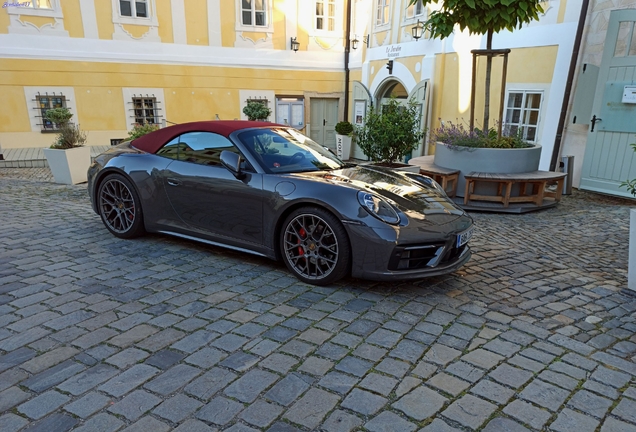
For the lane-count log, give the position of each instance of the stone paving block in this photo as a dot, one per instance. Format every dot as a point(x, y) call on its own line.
point(160, 340)
point(194, 341)
point(287, 390)
point(147, 424)
point(569, 420)
point(135, 404)
point(12, 423)
point(626, 410)
point(611, 377)
point(101, 423)
point(590, 403)
point(379, 383)
point(544, 394)
point(240, 361)
point(614, 425)
point(310, 410)
point(438, 425)
point(441, 354)
point(316, 366)
point(164, 359)
point(389, 422)
point(173, 379)
point(527, 413)
point(128, 380)
point(206, 357)
point(11, 397)
point(409, 351)
point(341, 421)
point(493, 391)
point(499, 424)
point(43, 404)
point(261, 413)
point(315, 336)
point(448, 383)
point(53, 376)
point(219, 411)
point(279, 362)
point(421, 403)
point(21, 339)
point(574, 372)
point(87, 405)
point(393, 367)
point(558, 379)
point(209, 383)
point(510, 376)
point(127, 357)
point(249, 386)
point(88, 379)
point(67, 320)
point(354, 366)
point(470, 411)
point(571, 344)
point(11, 377)
point(55, 422)
point(44, 361)
point(526, 363)
point(338, 382)
point(482, 358)
point(465, 371)
point(602, 389)
point(229, 342)
point(177, 408)
point(364, 402)
point(133, 335)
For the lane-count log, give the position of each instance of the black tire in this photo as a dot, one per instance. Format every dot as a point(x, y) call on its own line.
point(315, 246)
point(119, 207)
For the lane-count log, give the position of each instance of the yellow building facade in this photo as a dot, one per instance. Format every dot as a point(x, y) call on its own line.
point(115, 63)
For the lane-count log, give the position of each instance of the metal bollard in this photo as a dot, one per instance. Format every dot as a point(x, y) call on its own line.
point(567, 166)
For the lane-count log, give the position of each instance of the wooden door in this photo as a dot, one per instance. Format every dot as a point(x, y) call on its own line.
point(324, 116)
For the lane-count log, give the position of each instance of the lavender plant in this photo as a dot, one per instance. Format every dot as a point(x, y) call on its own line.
point(458, 137)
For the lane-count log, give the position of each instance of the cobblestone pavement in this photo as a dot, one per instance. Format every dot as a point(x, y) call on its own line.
point(102, 334)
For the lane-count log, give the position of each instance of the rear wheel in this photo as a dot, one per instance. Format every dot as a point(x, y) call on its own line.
point(315, 246)
point(119, 207)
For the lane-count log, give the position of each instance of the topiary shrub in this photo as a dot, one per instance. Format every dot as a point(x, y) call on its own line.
point(344, 128)
point(256, 111)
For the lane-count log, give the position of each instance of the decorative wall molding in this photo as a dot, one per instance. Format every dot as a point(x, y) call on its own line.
point(19, 20)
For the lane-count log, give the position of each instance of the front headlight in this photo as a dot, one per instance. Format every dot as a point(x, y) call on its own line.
point(378, 207)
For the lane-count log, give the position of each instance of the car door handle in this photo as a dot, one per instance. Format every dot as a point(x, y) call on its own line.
point(173, 182)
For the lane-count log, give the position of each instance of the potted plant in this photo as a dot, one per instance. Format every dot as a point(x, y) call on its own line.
point(344, 133)
point(458, 148)
point(391, 134)
point(68, 159)
point(256, 111)
point(139, 130)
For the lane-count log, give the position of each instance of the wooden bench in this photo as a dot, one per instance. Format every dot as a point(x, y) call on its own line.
point(443, 176)
point(537, 179)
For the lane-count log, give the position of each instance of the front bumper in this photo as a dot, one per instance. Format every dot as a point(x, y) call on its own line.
point(407, 253)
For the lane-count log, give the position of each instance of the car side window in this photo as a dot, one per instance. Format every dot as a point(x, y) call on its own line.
point(202, 148)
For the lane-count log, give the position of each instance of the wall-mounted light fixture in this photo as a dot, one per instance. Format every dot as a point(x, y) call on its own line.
point(355, 41)
point(417, 30)
point(294, 44)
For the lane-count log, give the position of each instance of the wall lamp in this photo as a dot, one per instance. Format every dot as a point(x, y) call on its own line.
point(417, 30)
point(294, 44)
point(355, 41)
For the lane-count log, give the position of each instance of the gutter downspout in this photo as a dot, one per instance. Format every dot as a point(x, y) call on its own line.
point(346, 60)
point(556, 150)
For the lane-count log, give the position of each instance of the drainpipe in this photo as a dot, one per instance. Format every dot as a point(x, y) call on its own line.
point(556, 150)
point(346, 60)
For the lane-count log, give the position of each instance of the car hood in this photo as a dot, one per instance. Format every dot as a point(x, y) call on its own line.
point(414, 194)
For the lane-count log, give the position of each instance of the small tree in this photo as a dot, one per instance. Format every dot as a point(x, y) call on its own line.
point(58, 116)
point(69, 135)
point(391, 134)
point(481, 17)
point(255, 110)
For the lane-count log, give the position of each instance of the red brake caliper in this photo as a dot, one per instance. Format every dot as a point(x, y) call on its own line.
point(302, 234)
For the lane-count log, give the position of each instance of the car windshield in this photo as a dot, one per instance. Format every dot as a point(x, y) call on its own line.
point(285, 150)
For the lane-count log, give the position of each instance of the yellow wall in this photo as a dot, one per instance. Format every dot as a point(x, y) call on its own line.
point(107, 100)
point(280, 37)
point(13, 110)
point(4, 21)
point(196, 13)
point(228, 17)
point(72, 18)
point(104, 13)
point(164, 16)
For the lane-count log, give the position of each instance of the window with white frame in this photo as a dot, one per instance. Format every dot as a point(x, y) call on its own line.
point(326, 15)
point(46, 102)
point(523, 112)
point(133, 8)
point(414, 10)
point(36, 4)
point(254, 13)
point(383, 12)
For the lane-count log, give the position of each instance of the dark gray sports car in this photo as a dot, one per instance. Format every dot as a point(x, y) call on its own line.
point(267, 189)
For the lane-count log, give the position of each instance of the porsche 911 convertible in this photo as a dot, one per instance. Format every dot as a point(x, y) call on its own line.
point(268, 190)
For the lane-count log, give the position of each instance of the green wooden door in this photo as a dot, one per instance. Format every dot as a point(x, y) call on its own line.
point(324, 116)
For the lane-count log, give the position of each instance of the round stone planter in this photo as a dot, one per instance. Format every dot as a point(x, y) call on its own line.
point(489, 160)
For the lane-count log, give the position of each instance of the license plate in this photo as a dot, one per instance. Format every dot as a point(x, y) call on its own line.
point(463, 238)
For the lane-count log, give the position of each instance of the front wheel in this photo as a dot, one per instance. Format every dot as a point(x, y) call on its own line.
point(315, 246)
point(119, 207)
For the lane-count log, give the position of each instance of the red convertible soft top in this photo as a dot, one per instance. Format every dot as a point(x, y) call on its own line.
point(153, 141)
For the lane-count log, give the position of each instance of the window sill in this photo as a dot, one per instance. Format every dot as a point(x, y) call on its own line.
point(49, 13)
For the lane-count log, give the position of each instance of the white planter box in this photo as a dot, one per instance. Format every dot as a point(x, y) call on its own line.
point(69, 166)
point(631, 265)
point(343, 146)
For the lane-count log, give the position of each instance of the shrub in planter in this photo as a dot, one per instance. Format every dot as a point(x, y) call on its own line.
point(457, 137)
point(141, 130)
point(69, 135)
point(256, 111)
point(389, 135)
point(68, 159)
point(630, 184)
point(344, 128)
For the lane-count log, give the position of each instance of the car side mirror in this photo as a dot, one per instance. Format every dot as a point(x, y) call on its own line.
point(231, 161)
